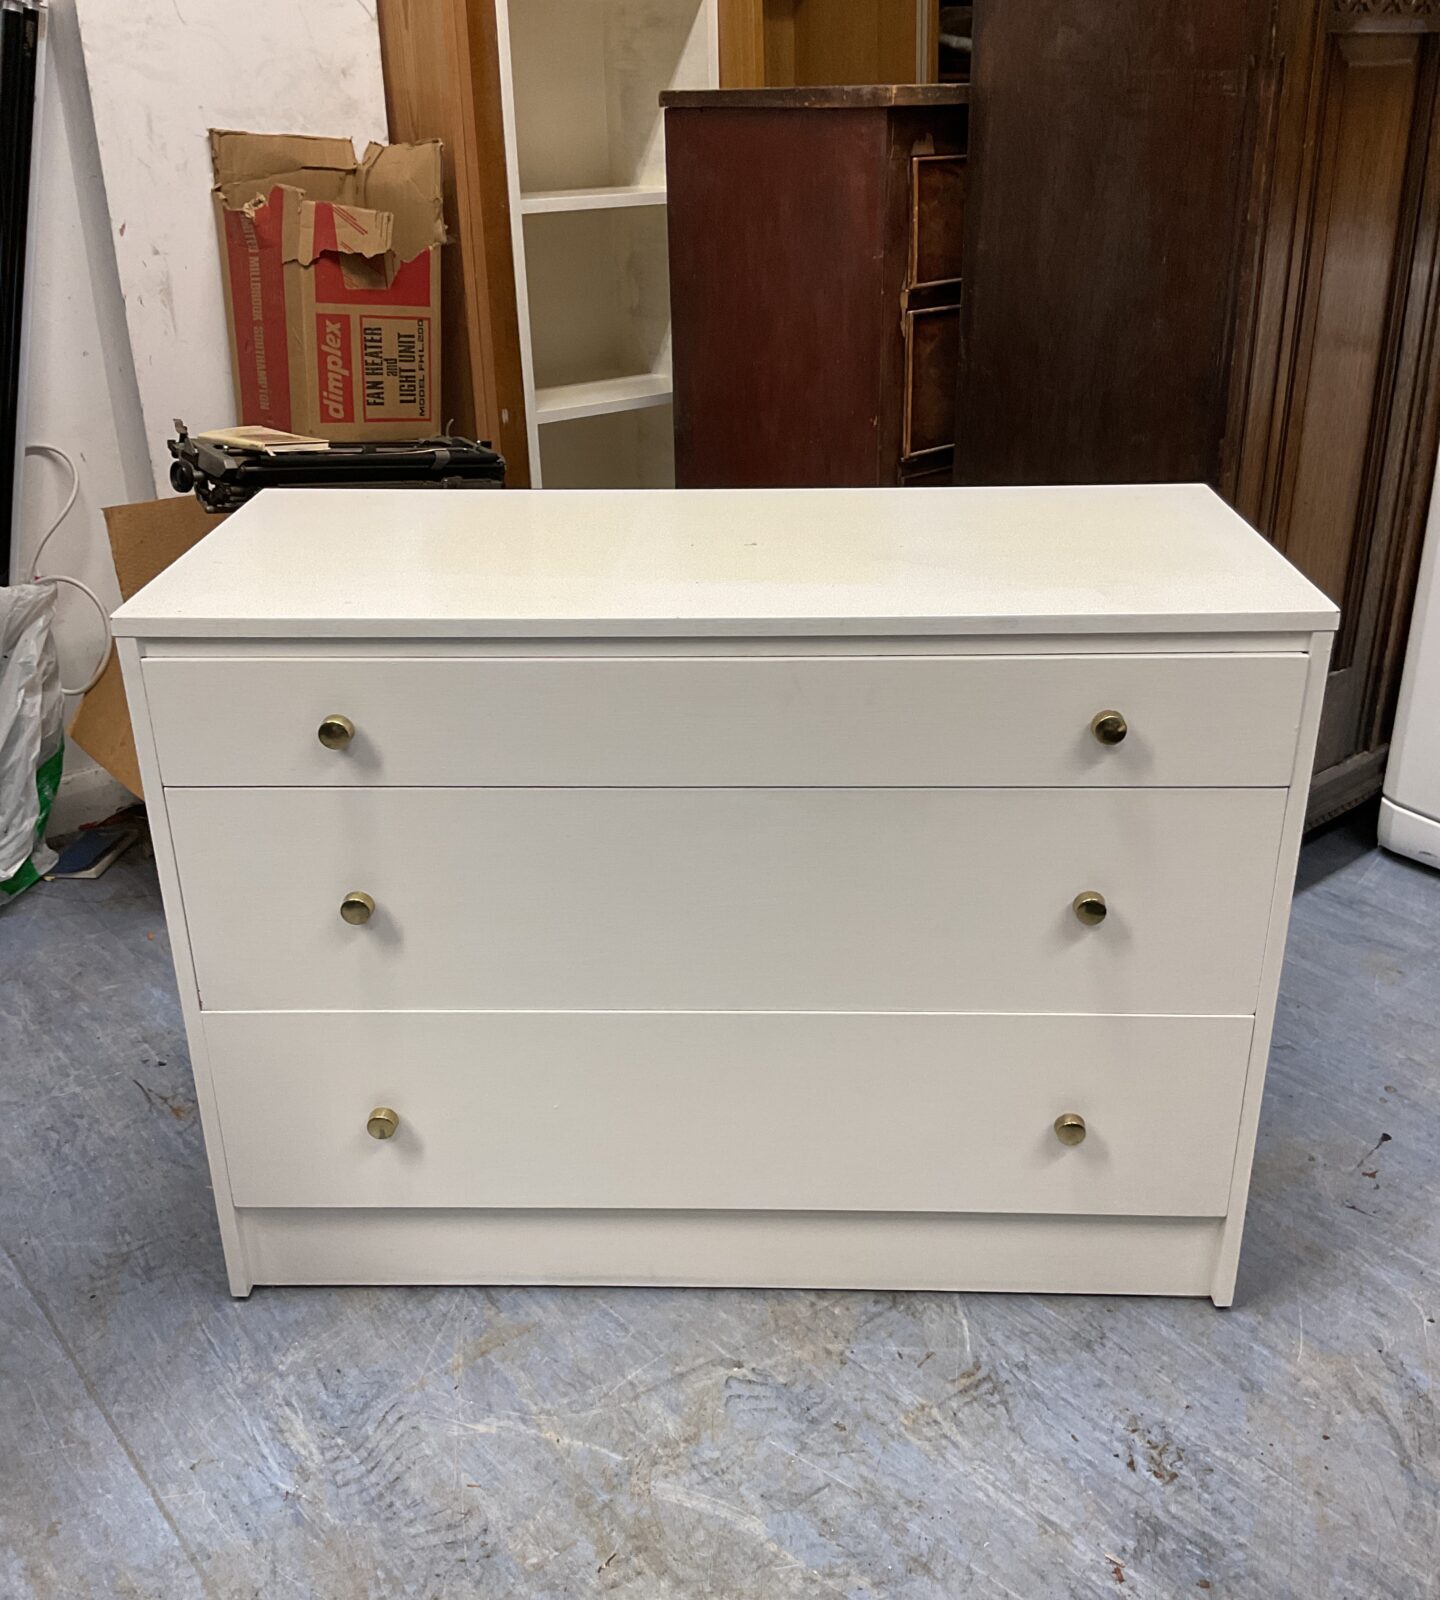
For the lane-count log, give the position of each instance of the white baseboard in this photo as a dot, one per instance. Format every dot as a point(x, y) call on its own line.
point(1407, 833)
point(795, 1249)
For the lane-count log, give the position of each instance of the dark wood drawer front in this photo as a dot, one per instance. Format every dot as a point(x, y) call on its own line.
point(937, 218)
point(932, 353)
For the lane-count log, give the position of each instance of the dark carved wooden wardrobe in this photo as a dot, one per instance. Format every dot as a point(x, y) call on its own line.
point(1201, 242)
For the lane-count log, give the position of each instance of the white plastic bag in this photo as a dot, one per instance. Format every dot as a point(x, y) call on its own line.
point(32, 724)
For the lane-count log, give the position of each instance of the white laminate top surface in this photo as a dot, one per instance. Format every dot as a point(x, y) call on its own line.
point(369, 563)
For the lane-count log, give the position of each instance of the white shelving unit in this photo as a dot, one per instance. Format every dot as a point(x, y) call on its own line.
point(580, 83)
point(629, 194)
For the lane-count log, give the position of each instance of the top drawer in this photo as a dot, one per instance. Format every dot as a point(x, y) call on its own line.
point(732, 721)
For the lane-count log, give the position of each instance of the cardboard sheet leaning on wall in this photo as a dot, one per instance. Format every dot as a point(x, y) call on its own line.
point(332, 283)
point(144, 540)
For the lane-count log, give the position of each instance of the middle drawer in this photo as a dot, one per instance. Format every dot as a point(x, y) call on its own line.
point(728, 899)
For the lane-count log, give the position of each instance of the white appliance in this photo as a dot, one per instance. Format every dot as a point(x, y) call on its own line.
point(1410, 810)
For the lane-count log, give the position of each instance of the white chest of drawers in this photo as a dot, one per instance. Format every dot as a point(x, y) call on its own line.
point(834, 887)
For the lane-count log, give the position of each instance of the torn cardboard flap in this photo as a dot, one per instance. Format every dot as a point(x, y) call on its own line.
point(311, 227)
point(332, 282)
point(246, 157)
point(404, 179)
point(390, 199)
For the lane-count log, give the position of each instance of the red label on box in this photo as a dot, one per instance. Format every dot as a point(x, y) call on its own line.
point(257, 311)
point(334, 367)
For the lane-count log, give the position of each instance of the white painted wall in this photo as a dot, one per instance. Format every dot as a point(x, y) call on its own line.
point(80, 384)
point(162, 74)
point(126, 323)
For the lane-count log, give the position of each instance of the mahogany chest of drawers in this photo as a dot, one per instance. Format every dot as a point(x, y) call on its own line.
point(815, 270)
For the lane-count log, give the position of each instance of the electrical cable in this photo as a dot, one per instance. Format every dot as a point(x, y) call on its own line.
point(58, 577)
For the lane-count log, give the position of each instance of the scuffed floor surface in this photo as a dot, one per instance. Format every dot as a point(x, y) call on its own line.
point(159, 1439)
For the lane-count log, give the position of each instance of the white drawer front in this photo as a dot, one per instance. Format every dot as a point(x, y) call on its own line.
point(857, 1112)
point(1213, 720)
point(728, 899)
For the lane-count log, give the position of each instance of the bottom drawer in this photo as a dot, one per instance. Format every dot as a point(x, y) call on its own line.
point(730, 1110)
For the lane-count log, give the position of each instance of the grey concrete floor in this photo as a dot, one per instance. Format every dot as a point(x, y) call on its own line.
point(160, 1439)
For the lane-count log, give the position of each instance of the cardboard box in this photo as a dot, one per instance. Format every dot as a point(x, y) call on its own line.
point(144, 539)
point(332, 283)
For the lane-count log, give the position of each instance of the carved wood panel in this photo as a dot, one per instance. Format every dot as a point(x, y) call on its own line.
point(1324, 520)
point(1335, 455)
point(1109, 166)
point(1418, 15)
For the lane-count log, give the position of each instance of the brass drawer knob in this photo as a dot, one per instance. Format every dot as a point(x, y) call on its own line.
point(1109, 727)
point(1089, 905)
point(357, 907)
point(335, 732)
point(382, 1123)
point(1069, 1127)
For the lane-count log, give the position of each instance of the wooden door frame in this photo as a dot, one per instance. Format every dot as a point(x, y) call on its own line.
point(1272, 284)
point(442, 81)
point(745, 44)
